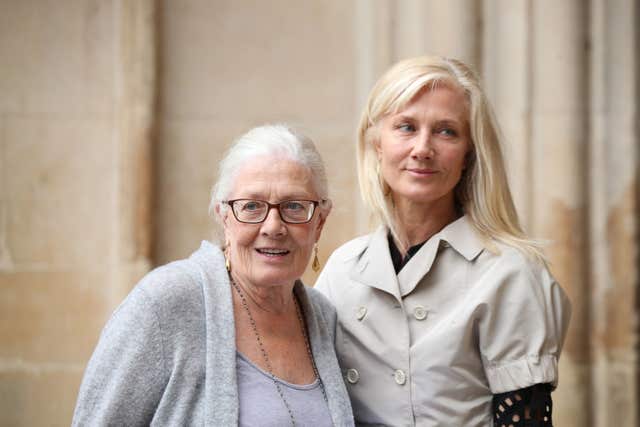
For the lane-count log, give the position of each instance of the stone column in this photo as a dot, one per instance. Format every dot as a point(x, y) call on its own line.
point(614, 206)
point(448, 28)
point(135, 105)
point(507, 80)
point(75, 113)
point(559, 147)
point(374, 54)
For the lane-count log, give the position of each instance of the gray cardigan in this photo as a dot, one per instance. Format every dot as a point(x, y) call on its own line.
point(167, 356)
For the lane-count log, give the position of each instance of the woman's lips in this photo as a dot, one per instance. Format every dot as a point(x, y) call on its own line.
point(422, 171)
point(272, 252)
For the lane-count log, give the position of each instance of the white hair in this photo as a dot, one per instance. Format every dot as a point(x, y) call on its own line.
point(267, 141)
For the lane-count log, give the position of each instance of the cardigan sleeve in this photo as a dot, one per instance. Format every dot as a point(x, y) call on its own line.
point(523, 325)
point(124, 379)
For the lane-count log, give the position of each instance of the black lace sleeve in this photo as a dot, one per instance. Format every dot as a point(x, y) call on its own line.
point(527, 407)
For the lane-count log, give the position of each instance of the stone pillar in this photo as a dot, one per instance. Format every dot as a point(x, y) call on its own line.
point(134, 128)
point(374, 55)
point(77, 85)
point(535, 67)
point(614, 206)
point(559, 147)
point(507, 79)
point(449, 28)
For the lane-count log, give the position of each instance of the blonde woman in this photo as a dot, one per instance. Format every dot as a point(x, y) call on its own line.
point(447, 312)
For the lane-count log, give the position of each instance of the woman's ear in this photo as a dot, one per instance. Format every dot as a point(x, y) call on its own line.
point(222, 214)
point(376, 145)
point(375, 141)
point(223, 218)
point(325, 210)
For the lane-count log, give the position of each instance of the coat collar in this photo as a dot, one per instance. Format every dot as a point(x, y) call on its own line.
point(462, 237)
point(374, 267)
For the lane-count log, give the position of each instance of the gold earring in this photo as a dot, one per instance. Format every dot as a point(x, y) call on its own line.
point(227, 264)
point(315, 265)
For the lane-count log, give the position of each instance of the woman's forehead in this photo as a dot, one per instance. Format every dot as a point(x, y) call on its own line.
point(273, 177)
point(449, 101)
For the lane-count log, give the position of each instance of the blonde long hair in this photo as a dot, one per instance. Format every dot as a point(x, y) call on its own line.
point(483, 191)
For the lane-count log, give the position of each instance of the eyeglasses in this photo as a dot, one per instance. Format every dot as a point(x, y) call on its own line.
point(255, 211)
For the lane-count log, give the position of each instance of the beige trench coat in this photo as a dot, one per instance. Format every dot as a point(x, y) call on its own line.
point(431, 345)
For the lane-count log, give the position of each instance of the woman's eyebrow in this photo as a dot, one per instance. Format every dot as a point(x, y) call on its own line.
point(402, 116)
point(297, 196)
point(450, 122)
point(288, 196)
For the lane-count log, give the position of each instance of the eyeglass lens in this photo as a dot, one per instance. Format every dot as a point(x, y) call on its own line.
point(254, 211)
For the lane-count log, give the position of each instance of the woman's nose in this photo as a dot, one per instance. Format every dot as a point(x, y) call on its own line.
point(423, 146)
point(273, 224)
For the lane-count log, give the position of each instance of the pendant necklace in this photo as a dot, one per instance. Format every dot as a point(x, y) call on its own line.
point(265, 356)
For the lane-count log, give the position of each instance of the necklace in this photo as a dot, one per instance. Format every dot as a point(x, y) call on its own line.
point(265, 356)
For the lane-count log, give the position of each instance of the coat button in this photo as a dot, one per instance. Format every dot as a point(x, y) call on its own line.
point(352, 376)
point(362, 311)
point(400, 377)
point(420, 313)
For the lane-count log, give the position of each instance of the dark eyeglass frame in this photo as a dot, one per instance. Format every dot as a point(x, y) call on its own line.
point(270, 206)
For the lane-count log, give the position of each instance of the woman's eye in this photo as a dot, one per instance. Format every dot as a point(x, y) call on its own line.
point(406, 127)
point(293, 205)
point(251, 206)
point(448, 132)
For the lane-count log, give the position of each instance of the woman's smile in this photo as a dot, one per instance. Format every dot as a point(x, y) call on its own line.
point(421, 172)
point(272, 252)
point(272, 255)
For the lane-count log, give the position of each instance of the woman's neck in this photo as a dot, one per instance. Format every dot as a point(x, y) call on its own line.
point(272, 299)
point(418, 222)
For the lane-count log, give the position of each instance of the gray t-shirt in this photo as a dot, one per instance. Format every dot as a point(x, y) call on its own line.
point(261, 405)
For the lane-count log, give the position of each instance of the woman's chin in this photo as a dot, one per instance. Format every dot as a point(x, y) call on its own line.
point(274, 275)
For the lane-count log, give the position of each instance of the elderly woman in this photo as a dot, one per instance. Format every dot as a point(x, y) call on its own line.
point(447, 313)
point(230, 336)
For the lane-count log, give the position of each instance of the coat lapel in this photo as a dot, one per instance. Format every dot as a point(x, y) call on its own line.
point(418, 266)
point(374, 268)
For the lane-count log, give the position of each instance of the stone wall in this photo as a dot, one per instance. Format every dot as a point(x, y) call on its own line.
point(114, 114)
point(76, 106)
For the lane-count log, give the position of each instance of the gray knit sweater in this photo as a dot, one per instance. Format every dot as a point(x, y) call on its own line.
point(167, 356)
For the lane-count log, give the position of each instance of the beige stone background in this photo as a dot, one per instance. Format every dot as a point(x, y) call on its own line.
point(114, 114)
